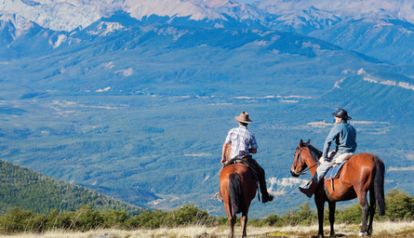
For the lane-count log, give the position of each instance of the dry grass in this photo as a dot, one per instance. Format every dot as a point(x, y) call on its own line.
point(381, 230)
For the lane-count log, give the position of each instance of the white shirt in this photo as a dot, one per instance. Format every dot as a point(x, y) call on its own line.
point(241, 140)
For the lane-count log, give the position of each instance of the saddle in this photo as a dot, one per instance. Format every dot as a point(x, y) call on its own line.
point(333, 172)
point(246, 161)
point(339, 162)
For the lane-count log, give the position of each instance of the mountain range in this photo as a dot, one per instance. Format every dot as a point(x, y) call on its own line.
point(134, 98)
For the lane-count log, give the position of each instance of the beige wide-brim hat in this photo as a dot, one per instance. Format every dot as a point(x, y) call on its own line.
point(243, 117)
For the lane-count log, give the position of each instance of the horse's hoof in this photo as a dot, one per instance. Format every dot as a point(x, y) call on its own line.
point(363, 233)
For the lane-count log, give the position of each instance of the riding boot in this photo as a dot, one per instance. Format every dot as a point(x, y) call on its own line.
point(309, 188)
point(266, 197)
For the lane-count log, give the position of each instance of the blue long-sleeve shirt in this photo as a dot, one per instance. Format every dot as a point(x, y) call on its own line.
point(344, 136)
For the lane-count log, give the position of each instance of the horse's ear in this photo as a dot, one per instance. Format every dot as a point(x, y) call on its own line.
point(300, 143)
point(308, 142)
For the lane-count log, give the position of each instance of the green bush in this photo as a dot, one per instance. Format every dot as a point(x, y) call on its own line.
point(399, 206)
point(15, 220)
point(37, 223)
point(187, 215)
point(271, 220)
point(86, 219)
point(115, 219)
point(147, 219)
point(303, 216)
point(350, 215)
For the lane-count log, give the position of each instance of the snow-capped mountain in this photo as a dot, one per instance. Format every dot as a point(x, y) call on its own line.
point(379, 28)
point(368, 9)
point(64, 15)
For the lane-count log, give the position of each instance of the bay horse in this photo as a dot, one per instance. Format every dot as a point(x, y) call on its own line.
point(361, 174)
point(238, 188)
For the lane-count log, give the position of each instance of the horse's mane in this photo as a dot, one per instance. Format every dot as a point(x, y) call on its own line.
point(316, 154)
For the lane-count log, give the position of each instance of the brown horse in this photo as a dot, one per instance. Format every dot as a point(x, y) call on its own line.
point(237, 188)
point(361, 173)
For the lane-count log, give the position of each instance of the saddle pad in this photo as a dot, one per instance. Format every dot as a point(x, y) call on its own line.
point(334, 170)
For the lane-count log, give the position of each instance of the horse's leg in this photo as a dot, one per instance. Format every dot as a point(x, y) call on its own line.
point(320, 203)
point(232, 222)
point(362, 197)
point(372, 205)
point(243, 221)
point(332, 206)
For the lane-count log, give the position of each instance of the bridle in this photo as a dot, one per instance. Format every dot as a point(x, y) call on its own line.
point(300, 159)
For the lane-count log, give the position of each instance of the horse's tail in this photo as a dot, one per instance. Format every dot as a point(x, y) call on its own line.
point(379, 185)
point(236, 196)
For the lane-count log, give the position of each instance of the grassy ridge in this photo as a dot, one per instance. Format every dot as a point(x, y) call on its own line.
point(23, 188)
point(381, 230)
point(400, 208)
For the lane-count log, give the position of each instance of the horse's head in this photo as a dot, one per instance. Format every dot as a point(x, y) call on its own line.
point(303, 150)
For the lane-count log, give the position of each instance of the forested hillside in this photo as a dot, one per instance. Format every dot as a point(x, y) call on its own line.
point(20, 187)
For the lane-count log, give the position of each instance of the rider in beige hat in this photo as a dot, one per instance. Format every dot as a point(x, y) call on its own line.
point(242, 143)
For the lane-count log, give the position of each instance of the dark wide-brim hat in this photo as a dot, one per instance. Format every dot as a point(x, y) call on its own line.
point(243, 117)
point(342, 113)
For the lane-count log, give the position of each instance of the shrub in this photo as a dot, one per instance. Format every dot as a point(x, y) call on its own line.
point(399, 206)
point(146, 219)
point(303, 215)
point(272, 220)
point(350, 215)
point(86, 219)
point(114, 219)
point(187, 215)
point(15, 220)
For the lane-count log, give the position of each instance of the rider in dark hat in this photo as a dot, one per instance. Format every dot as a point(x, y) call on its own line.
point(344, 136)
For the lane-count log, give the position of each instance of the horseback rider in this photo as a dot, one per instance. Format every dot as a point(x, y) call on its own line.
point(242, 144)
point(344, 136)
